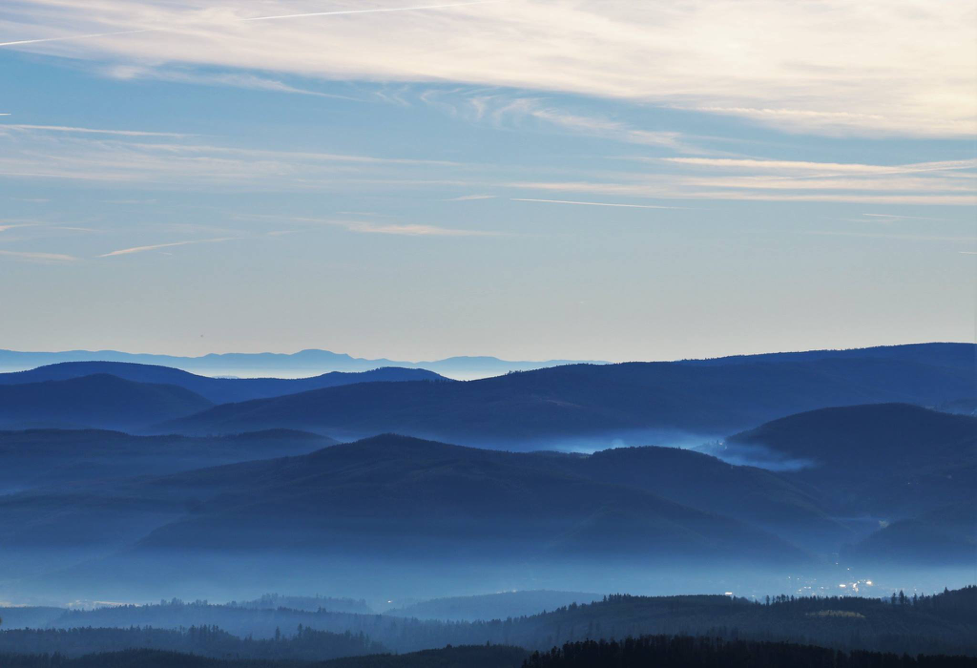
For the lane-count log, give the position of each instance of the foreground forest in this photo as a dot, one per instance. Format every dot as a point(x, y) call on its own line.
point(641, 652)
point(945, 623)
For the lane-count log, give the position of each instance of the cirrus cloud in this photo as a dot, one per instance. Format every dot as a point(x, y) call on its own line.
point(877, 67)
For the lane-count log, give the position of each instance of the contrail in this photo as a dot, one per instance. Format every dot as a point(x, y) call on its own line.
point(252, 18)
point(70, 37)
point(369, 11)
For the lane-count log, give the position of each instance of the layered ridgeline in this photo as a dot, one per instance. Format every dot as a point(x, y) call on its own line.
point(586, 406)
point(130, 397)
point(393, 513)
point(910, 472)
point(295, 365)
point(381, 513)
point(594, 406)
point(942, 624)
point(99, 400)
point(215, 390)
point(36, 458)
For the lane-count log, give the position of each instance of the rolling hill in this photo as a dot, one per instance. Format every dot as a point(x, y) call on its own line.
point(381, 510)
point(45, 457)
point(945, 535)
point(216, 390)
point(99, 401)
point(893, 460)
point(593, 406)
point(416, 497)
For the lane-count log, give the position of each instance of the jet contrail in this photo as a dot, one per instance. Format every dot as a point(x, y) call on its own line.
point(253, 18)
point(369, 11)
point(70, 37)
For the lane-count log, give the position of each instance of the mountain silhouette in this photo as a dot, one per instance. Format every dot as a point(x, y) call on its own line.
point(592, 405)
point(216, 390)
point(893, 460)
point(99, 400)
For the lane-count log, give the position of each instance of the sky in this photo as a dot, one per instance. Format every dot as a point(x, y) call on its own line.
point(585, 179)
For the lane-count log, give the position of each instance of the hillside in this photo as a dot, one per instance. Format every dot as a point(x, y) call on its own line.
point(589, 405)
point(98, 401)
point(409, 495)
point(893, 459)
point(941, 624)
point(437, 511)
point(216, 390)
point(492, 606)
point(945, 535)
point(44, 457)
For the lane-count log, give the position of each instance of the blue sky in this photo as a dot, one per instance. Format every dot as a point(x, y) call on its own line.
point(525, 179)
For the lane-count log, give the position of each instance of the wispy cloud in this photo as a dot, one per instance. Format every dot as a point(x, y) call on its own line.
point(369, 227)
point(671, 187)
point(142, 249)
point(38, 257)
point(501, 110)
point(469, 198)
point(4, 228)
point(823, 168)
point(906, 68)
point(177, 29)
point(376, 10)
point(232, 79)
point(169, 161)
point(61, 128)
point(412, 230)
point(566, 201)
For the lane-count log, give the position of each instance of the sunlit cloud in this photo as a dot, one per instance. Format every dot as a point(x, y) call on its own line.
point(879, 67)
point(236, 80)
point(469, 198)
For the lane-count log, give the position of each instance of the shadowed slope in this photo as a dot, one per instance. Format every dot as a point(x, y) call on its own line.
point(217, 390)
point(580, 402)
point(100, 401)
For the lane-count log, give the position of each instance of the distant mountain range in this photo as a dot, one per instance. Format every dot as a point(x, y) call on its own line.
point(403, 505)
point(215, 390)
point(579, 406)
point(280, 365)
point(593, 406)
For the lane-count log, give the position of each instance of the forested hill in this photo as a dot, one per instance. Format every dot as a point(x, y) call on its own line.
point(705, 652)
point(100, 401)
point(590, 402)
point(945, 623)
point(216, 390)
point(890, 460)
